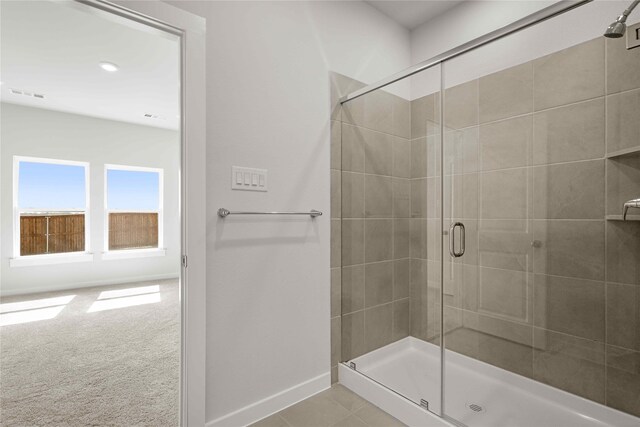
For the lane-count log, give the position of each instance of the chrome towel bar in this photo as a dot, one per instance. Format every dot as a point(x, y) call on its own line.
point(222, 212)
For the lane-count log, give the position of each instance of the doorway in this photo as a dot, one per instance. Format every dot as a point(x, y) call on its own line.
point(92, 279)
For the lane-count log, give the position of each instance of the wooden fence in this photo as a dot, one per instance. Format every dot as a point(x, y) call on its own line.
point(58, 233)
point(133, 230)
point(51, 234)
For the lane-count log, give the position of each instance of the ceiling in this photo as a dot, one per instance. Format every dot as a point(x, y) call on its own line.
point(412, 14)
point(54, 49)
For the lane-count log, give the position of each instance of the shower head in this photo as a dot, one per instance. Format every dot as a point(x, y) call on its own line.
point(617, 28)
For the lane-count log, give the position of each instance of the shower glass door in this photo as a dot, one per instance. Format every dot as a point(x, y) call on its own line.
point(541, 149)
point(390, 246)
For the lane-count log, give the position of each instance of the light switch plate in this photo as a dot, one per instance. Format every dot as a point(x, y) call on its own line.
point(633, 36)
point(248, 179)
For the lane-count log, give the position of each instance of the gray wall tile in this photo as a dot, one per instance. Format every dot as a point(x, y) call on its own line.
point(379, 240)
point(336, 194)
point(352, 288)
point(569, 133)
point(401, 117)
point(461, 151)
point(373, 111)
point(352, 241)
point(623, 315)
point(336, 292)
point(353, 194)
point(623, 380)
point(341, 85)
point(336, 144)
point(571, 306)
point(505, 194)
point(401, 158)
point(336, 341)
point(378, 197)
point(623, 121)
point(461, 196)
point(379, 324)
point(352, 342)
point(336, 243)
point(425, 156)
point(461, 105)
point(401, 198)
point(517, 332)
point(622, 66)
point(623, 182)
point(400, 319)
point(506, 248)
point(378, 283)
point(501, 343)
point(353, 139)
point(401, 238)
point(419, 116)
point(569, 248)
point(401, 275)
point(419, 157)
point(425, 113)
point(506, 144)
point(378, 153)
point(571, 75)
point(623, 252)
point(506, 93)
point(418, 238)
point(572, 364)
point(569, 190)
point(504, 293)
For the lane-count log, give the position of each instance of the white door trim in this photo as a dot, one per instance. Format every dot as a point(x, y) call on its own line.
point(192, 31)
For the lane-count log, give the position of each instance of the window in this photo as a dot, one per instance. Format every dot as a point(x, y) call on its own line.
point(133, 208)
point(51, 202)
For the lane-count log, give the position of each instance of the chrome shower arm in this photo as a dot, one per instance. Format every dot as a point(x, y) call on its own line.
point(628, 10)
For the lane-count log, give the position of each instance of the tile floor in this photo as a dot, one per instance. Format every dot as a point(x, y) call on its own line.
point(335, 407)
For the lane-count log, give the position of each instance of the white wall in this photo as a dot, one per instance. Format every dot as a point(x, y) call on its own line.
point(472, 19)
point(268, 106)
point(35, 132)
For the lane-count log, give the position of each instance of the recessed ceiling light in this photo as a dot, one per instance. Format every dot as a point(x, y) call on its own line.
point(109, 66)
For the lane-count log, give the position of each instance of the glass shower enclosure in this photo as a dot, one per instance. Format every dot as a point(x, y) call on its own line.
point(487, 274)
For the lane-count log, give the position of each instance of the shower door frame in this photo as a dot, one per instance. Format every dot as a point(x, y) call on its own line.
point(529, 21)
point(191, 31)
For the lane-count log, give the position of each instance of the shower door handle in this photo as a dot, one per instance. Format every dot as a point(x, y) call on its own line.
point(452, 240)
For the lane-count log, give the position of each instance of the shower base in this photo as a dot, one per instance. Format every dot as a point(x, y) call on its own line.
point(476, 393)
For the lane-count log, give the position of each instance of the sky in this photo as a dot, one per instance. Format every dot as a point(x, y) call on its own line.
point(132, 190)
point(61, 187)
point(50, 186)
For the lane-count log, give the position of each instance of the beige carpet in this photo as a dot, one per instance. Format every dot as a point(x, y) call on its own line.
point(93, 364)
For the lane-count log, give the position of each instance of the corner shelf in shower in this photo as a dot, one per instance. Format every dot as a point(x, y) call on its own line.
point(625, 152)
point(619, 218)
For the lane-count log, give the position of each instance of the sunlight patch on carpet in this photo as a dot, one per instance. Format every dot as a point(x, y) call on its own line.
point(113, 303)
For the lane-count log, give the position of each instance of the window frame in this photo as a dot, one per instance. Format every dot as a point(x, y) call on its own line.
point(139, 252)
point(54, 258)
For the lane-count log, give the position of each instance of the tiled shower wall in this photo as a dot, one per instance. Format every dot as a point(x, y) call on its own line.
point(370, 178)
point(538, 161)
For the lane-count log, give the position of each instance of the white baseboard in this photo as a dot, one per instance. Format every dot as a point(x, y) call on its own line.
point(69, 286)
point(272, 404)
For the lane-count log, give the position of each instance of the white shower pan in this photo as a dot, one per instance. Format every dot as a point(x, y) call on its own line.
point(476, 394)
